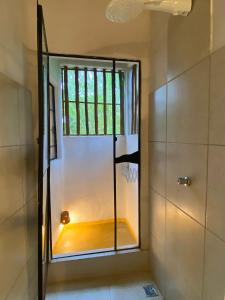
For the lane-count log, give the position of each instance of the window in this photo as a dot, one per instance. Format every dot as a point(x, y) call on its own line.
point(53, 134)
point(87, 101)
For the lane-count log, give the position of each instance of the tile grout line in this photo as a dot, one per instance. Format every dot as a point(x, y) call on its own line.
point(14, 283)
point(186, 143)
point(215, 235)
point(165, 217)
point(17, 211)
point(206, 178)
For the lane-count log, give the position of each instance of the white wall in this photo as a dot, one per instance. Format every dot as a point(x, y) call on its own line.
point(88, 178)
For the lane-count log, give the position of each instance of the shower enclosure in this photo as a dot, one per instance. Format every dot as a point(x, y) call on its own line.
point(95, 176)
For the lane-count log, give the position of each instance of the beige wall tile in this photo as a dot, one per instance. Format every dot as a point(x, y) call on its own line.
point(158, 49)
point(157, 115)
point(20, 289)
point(187, 160)
point(157, 215)
point(144, 223)
point(188, 106)
point(9, 116)
point(12, 251)
point(11, 172)
point(218, 23)
point(157, 169)
point(157, 263)
point(188, 38)
point(217, 98)
point(31, 220)
point(25, 116)
point(29, 174)
point(216, 191)
point(184, 256)
point(214, 283)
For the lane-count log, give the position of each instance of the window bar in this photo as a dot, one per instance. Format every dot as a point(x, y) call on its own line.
point(136, 101)
point(133, 128)
point(121, 79)
point(66, 99)
point(132, 102)
point(86, 101)
point(96, 100)
point(77, 100)
point(104, 101)
point(62, 93)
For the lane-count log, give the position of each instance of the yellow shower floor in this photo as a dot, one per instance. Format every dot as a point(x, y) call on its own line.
point(93, 236)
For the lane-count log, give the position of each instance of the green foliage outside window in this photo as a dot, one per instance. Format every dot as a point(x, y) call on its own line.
point(91, 102)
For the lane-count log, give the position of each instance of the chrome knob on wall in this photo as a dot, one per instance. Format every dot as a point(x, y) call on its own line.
point(184, 180)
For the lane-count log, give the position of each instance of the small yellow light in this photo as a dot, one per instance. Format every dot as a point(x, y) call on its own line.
point(65, 217)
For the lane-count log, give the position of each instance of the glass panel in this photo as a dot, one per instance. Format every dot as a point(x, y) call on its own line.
point(90, 84)
point(109, 119)
point(100, 119)
point(73, 118)
point(100, 86)
point(117, 89)
point(108, 87)
point(71, 85)
point(127, 173)
point(43, 82)
point(81, 87)
point(83, 130)
point(118, 119)
point(90, 203)
point(91, 117)
point(88, 178)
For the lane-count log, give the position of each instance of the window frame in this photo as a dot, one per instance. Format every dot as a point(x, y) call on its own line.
point(65, 94)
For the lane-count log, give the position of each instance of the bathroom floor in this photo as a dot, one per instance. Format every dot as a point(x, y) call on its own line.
point(126, 287)
point(87, 237)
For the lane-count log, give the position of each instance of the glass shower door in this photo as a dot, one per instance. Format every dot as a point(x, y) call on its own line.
point(44, 167)
point(88, 192)
point(127, 160)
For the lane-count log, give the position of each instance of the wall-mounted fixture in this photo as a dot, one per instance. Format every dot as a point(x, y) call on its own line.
point(65, 217)
point(121, 11)
point(186, 181)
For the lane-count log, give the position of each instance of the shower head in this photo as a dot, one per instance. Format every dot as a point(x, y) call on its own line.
point(122, 11)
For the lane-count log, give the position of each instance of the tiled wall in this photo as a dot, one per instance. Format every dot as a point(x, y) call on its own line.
point(187, 138)
point(18, 199)
point(18, 209)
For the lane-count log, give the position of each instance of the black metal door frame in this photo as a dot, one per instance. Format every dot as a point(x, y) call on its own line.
point(114, 61)
point(42, 268)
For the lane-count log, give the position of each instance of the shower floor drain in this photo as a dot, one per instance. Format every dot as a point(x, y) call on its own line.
point(150, 291)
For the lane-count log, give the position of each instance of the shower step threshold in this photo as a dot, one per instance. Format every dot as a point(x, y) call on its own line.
point(97, 265)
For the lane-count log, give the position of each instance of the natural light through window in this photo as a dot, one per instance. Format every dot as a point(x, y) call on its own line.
point(88, 101)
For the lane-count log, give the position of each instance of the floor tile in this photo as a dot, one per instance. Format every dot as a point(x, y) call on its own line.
point(109, 288)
